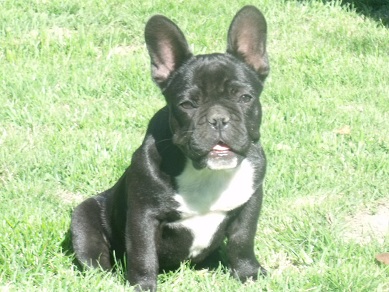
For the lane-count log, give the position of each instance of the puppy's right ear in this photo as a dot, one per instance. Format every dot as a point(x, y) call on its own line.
point(167, 47)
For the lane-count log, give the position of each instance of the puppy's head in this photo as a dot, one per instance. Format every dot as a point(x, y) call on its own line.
point(215, 113)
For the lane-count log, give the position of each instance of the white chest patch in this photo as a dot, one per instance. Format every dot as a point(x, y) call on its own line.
point(205, 196)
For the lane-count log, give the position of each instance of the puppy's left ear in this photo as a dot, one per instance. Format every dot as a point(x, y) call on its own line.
point(167, 46)
point(247, 39)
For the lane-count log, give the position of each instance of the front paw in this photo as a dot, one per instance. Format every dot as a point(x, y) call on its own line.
point(143, 287)
point(248, 271)
point(142, 283)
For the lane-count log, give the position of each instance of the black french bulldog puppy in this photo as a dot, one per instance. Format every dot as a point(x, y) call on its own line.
point(197, 178)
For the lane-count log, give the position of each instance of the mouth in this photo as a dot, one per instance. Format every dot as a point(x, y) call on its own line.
point(221, 156)
point(220, 149)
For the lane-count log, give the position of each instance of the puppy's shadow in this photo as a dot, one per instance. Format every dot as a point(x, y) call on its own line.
point(67, 249)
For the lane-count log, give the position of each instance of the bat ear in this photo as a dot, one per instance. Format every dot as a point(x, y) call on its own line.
point(167, 47)
point(247, 39)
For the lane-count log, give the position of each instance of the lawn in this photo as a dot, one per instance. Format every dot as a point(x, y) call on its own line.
point(76, 96)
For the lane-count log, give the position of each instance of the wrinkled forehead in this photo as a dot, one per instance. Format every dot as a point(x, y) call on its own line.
point(213, 73)
point(210, 71)
point(217, 68)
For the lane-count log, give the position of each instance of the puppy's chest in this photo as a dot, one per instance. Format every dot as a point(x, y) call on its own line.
point(206, 196)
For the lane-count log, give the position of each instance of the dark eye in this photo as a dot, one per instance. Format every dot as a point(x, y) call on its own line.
point(245, 98)
point(187, 105)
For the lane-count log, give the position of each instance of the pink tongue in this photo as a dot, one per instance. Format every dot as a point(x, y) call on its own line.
point(221, 147)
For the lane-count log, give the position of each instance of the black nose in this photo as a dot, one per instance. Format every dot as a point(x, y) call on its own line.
point(218, 117)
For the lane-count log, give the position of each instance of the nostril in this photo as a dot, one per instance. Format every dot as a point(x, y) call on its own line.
point(219, 121)
point(225, 120)
point(218, 117)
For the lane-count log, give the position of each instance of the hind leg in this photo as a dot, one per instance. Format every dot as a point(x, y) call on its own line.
point(89, 242)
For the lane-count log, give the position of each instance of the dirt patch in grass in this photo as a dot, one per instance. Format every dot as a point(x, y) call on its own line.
point(280, 262)
point(365, 226)
point(122, 51)
point(70, 198)
point(368, 225)
point(59, 34)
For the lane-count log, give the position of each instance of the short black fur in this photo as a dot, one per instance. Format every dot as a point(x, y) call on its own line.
point(201, 162)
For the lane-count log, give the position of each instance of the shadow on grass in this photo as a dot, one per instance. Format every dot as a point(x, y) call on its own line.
point(377, 10)
point(67, 249)
point(66, 244)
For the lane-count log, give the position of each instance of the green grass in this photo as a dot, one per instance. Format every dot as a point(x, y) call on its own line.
point(76, 96)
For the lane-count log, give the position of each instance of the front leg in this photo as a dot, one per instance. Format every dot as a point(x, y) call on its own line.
point(141, 249)
point(240, 244)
